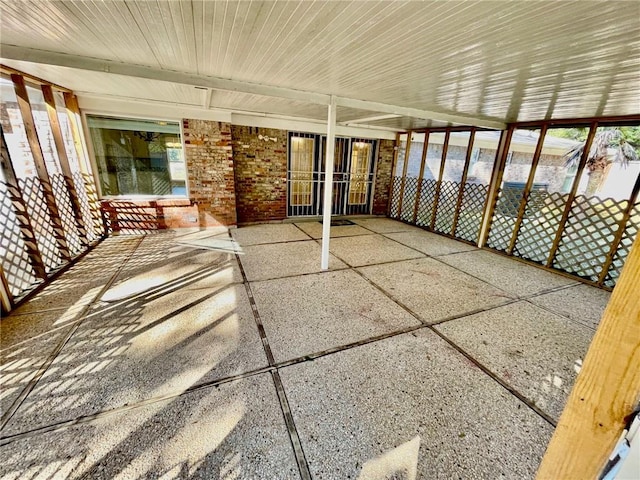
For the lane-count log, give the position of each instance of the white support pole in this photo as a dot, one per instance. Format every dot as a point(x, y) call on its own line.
point(328, 183)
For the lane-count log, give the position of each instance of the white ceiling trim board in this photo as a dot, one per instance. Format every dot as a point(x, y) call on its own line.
point(94, 64)
point(417, 113)
point(149, 109)
point(309, 126)
point(373, 118)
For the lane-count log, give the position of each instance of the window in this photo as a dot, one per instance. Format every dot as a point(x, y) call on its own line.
point(138, 157)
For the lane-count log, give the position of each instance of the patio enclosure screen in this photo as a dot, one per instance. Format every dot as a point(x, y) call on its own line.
point(49, 208)
point(566, 196)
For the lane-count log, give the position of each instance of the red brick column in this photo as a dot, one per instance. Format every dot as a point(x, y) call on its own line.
point(383, 177)
point(260, 161)
point(209, 160)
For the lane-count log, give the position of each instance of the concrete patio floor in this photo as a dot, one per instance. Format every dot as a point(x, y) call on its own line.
point(215, 354)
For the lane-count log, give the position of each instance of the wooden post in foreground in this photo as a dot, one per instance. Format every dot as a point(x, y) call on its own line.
point(606, 390)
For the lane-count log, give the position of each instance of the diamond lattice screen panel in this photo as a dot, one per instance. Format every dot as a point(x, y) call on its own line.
point(88, 205)
point(504, 219)
point(61, 194)
point(541, 221)
point(394, 205)
point(36, 206)
point(471, 210)
point(409, 198)
point(15, 261)
point(586, 240)
point(427, 202)
point(447, 202)
point(629, 236)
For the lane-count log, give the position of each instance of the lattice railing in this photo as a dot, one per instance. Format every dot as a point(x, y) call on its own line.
point(474, 199)
point(540, 224)
point(447, 202)
point(587, 237)
point(89, 206)
point(33, 197)
point(61, 194)
point(15, 261)
point(394, 201)
point(25, 216)
point(504, 219)
point(628, 237)
point(409, 199)
point(427, 203)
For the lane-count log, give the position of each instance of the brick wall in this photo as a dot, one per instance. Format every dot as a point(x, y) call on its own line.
point(209, 159)
point(383, 177)
point(260, 173)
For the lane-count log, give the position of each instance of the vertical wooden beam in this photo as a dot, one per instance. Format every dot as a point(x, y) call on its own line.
point(425, 146)
point(494, 187)
point(436, 198)
point(73, 112)
point(407, 151)
point(622, 225)
point(22, 215)
point(463, 180)
point(41, 168)
point(527, 189)
point(49, 100)
point(6, 299)
point(607, 388)
point(572, 194)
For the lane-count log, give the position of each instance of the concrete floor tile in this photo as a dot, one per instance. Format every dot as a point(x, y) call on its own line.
point(79, 285)
point(175, 267)
point(314, 230)
point(26, 342)
point(146, 347)
point(198, 232)
point(583, 303)
point(268, 233)
point(510, 275)
point(370, 249)
point(406, 403)
point(317, 312)
point(535, 351)
point(384, 225)
point(262, 262)
point(234, 431)
point(433, 290)
point(430, 243)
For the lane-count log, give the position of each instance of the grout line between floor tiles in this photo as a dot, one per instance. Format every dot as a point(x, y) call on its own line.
point(294, 437)
point(304, 274)
point(132, 406)
point(298, 451)
point(495, 377)
point(463, 352)
point(566, 317)
point(10, 412)
point(35, 312)
point(274, 243)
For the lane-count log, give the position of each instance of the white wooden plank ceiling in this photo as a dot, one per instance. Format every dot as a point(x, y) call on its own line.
point(505, 61)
